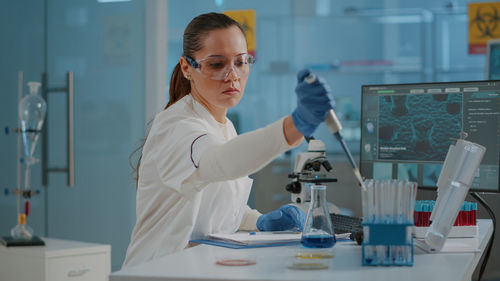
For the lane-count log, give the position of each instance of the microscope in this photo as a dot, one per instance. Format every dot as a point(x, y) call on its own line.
point(311, 168)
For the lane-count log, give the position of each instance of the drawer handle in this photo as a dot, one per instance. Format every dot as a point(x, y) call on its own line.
point(78, 272)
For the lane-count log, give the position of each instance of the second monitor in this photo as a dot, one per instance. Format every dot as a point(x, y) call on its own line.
point(407, 129)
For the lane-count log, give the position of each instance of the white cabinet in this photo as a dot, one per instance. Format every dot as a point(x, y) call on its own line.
point(57, 260)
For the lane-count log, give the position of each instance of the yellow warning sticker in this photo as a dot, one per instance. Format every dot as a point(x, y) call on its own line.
point(246, 18)
point(484, 25)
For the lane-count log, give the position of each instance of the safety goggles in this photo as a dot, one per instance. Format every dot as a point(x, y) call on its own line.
point(219, 67)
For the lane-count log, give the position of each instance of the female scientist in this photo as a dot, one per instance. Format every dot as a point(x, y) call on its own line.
point(193, 172)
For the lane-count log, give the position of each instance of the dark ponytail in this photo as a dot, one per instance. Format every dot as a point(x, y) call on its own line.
point(179, 86)
point(193, 37)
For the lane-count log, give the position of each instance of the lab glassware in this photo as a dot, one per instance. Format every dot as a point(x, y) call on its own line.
point(21, 231)
point(459, 168)
point(318, 230)
point(388, 220)
point(32, 109)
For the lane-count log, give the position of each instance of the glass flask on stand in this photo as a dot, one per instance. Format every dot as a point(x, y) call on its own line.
point(32, 109)
point(318, 229)
point(21, 231)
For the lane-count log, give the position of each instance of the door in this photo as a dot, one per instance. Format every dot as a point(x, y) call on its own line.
point(103, 44)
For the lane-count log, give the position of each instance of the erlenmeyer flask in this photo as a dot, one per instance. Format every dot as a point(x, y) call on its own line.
point(21, 231)
point(318, 230)
point(32, 109)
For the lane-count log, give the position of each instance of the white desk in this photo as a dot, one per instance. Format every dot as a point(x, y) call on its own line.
point(56, 261)
point(198, 263)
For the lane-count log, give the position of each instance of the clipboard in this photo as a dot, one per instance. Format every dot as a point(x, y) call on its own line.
point(231, 245)
point(240, 240)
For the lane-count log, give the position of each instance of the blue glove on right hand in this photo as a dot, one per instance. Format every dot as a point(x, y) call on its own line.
point(285, 218)
point(313, 103)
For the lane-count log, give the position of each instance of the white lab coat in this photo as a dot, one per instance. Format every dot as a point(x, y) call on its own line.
point(193, 179)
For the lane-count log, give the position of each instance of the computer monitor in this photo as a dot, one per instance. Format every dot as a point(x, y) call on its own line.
point(493, 60)
point(407, 130)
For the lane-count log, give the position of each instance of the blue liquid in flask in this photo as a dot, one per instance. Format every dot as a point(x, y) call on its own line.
point(318, 241)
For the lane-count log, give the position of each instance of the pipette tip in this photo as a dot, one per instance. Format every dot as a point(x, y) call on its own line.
point(360, 179)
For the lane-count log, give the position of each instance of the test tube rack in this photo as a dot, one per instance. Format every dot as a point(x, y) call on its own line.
point(465, 225)
point(387, 244)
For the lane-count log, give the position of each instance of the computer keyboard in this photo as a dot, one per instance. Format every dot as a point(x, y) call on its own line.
point(344, 224)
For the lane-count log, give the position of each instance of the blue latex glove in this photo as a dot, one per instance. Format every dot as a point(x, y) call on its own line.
point(285, 218)
point(313, 103)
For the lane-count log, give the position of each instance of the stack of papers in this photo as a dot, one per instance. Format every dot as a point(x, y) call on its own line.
point(257, 238)
point(241, 240)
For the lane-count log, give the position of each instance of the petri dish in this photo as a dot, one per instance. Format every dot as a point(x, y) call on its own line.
point(313, 255)
point(298, 265)
point(235, 260)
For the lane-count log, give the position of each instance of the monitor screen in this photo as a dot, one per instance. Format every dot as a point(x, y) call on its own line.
point(493, 60)
point(407, 129)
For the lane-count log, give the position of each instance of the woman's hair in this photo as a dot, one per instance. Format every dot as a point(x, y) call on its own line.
point(194, 34)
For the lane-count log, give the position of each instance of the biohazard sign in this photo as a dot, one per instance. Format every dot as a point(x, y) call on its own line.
point(246, 18)
point(484, 25)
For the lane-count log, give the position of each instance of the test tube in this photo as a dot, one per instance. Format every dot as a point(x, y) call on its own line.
point(379, 192)
point(400, 194)
point(368, 214)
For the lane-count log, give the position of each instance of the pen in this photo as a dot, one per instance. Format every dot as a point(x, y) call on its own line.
point(286, 232)
point(275, 232)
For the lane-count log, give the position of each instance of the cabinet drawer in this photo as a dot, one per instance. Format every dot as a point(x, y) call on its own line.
point(91, 267)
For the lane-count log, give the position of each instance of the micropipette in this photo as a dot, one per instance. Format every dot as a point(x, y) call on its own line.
point(334, 126)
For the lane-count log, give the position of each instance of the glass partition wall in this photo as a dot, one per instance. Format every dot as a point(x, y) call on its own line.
point(103, 45)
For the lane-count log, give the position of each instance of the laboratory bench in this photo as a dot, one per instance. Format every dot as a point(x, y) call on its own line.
point(199, 263)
